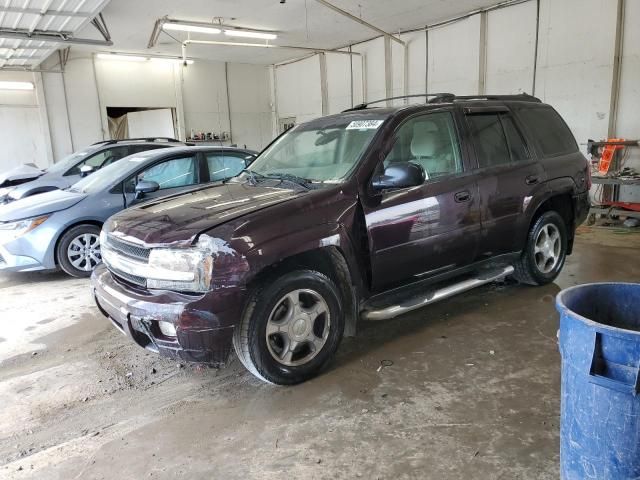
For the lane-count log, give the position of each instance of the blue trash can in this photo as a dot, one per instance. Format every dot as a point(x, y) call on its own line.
point(600, 407)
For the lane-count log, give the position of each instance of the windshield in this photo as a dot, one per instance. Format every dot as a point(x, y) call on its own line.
point(108, 176)
point(319, 153)
point(68, 162)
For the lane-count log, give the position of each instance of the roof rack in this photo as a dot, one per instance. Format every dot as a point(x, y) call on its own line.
point(450, 98)
point(363, 106)
point(143, 139)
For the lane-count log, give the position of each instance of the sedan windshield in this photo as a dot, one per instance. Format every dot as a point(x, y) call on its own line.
point(111, 174)
point(325, 151)
point(70, 161)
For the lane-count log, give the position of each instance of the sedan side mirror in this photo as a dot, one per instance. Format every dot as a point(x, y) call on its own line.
point(146, 186)
point(86, 170)
point(400, 175)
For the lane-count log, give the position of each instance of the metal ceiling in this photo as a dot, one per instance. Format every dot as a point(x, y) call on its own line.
point(30, 30)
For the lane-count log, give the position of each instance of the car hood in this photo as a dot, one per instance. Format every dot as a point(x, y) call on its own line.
point(46, 181)
point(41, 204)
point(179, 219)
point(19, 174)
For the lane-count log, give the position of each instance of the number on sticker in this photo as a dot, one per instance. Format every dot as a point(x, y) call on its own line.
point(364, 124)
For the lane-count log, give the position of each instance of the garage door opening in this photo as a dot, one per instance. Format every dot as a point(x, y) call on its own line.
point(140, 122)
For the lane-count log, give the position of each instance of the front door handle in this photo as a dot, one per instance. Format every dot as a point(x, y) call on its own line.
point(463, 196)
point(532, 179)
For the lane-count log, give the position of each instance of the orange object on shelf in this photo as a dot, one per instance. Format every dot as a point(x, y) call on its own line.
point(608, 153)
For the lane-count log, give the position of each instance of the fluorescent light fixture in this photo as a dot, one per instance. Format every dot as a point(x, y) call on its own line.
point(122, 56)
point(186, 27)
point(250, 34)
point(16, 86)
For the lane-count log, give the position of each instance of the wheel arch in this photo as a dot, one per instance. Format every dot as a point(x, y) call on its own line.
point(76, 223)
point(329, 251)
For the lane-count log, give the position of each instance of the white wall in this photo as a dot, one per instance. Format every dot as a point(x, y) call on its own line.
point(454, 57)
point(575, 62)
point(252, 115)
point(24, 132)
point(204, 92)
point(298, 92)
point(510, 50)
point(76, 101)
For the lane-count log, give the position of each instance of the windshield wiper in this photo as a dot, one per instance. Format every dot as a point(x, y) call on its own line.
point(252, 175)
point(304, 182)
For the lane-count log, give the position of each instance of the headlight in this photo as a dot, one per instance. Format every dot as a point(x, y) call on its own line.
point(180, 269)
point(11, 230)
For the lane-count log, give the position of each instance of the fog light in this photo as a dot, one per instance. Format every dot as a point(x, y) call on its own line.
point(168, 329)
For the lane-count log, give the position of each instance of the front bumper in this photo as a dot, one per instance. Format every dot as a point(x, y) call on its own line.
point(201, 335)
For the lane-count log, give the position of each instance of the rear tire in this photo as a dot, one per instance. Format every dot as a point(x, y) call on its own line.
point(545, 252)
point(78, 250)
point(291, 328)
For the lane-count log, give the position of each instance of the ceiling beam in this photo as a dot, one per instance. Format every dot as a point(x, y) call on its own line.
point(359, 20)
point(265, 45)
point(49, 12)
point(51, 37)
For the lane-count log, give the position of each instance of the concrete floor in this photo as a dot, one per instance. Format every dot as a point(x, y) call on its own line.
point(473, 391)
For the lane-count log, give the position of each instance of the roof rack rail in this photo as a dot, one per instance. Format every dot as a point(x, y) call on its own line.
point(363, 106)
point(522, 97)
point(142, 139)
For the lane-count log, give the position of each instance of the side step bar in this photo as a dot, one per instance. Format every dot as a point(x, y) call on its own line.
point(433, 296)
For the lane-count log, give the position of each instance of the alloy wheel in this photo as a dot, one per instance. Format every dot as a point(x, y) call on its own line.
point(298, 327)
point(548, 247)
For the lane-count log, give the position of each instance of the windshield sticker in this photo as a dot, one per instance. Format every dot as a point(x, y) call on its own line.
point(365, 124)
point(137, 159)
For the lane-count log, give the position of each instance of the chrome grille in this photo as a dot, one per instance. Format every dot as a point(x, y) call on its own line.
point(128, 249)
point(127, 277)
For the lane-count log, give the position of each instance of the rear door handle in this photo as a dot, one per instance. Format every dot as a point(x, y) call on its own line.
point(532, 179)
point(463, 196)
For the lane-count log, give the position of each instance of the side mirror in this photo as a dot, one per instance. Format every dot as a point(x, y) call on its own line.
point(400, 175)
point(145, 186)
point(86, 170)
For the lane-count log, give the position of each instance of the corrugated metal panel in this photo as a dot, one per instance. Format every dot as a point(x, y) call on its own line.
point(49, 16)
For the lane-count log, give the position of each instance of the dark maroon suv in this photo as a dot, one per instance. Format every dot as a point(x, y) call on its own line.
point(363, 215)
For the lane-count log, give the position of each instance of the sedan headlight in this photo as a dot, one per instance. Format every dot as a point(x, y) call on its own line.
point(180, 269)
point(11, 230)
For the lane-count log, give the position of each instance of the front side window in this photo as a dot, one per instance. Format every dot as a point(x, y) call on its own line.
point(429, 141)
point(101, 159)
point(223, 165)
point(323, 151)
point(174, 173)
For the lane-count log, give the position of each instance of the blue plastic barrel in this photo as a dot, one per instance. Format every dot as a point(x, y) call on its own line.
point(600, 407)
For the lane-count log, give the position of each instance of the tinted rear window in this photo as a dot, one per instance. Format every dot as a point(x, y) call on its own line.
point(551, 134)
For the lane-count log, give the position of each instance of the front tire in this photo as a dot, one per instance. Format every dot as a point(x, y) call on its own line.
point(291, 328)
point(78, 250)
point(545, 252)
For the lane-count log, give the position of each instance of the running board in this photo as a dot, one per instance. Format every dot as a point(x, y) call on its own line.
point(433, 296)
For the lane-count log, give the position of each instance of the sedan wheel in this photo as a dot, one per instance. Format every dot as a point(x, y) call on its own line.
point(84, 252)
point(78, 250)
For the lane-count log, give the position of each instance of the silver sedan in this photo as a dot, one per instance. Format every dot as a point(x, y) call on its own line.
point(62, 228)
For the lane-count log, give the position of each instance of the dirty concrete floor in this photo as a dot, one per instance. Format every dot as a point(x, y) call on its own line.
point(473, 391)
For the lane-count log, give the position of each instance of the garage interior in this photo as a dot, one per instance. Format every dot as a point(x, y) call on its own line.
point(468, 387)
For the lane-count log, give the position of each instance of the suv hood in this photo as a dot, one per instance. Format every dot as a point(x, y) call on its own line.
point(179, 219)
point(41, 204)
